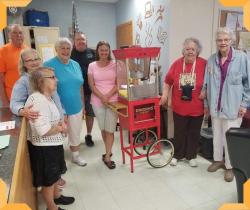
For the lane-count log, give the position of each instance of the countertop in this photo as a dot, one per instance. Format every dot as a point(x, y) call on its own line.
point(7, 160)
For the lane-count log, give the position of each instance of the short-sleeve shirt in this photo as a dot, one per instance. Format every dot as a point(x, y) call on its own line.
point(48, 117)
point(9, 59)
point(104, 80)
point(69, 84)
point(194, 107)
point(84, 59)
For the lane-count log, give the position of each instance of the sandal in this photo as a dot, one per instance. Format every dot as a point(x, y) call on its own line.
point(103, 156)
point(110, 164)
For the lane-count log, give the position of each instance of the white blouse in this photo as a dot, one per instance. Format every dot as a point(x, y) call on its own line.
point(48, 116)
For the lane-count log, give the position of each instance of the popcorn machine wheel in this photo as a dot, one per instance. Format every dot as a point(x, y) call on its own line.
point(138, 106)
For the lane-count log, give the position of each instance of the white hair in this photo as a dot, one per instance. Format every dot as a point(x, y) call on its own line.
point(194, 40)
point(61, 41)
point(225, 30)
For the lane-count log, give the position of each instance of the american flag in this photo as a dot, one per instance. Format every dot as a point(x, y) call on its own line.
point(75, 26)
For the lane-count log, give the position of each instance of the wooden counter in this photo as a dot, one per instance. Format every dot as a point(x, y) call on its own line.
point(15, 164)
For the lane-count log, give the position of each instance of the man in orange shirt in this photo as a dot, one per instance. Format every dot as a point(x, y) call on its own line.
point(9, 58)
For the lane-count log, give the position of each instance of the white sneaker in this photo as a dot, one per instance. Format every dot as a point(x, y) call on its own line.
point(173, 162)
point(79, 161)
point(193, 163)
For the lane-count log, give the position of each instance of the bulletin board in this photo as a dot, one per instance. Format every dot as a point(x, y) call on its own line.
point(46, 51)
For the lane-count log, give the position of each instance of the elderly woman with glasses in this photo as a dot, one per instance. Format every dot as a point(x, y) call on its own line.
point(29, 61)
point(227, 90)
point(70, 90)
point(46, 137)
point(185, 79)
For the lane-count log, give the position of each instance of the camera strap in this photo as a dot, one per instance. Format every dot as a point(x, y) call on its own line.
point(192, 70)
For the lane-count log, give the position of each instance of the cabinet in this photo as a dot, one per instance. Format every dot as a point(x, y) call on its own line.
point(39, 37)
point(33, 36)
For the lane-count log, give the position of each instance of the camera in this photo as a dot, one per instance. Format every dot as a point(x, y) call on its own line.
point(187, 92)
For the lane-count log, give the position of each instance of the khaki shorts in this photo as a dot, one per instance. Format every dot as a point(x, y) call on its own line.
point(107, 119)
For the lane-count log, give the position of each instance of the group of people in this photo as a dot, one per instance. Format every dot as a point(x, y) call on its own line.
point(219, 87)
point(79, 81)
point(55, 96)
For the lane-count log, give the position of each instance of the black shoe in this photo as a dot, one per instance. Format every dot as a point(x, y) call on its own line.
point(64, 200)
point(88, 141)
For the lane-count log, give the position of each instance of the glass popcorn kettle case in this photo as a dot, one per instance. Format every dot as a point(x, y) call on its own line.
point(137, 72)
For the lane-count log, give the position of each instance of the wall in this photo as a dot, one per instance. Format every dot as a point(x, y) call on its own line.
point(190, 18)
point(146, 36)
point(97, 20)
point(196, 18)
point(201, 22)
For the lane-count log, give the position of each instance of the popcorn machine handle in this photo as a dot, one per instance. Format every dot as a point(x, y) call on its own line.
point(117, 107)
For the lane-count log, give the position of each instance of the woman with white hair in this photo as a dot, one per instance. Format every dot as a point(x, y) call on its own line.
point(227, 90)
point(185, 78)
point(70, 91)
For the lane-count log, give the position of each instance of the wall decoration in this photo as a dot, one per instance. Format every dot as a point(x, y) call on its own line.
point(137, 39)
point(139, 22)
point(159, 13)
point(149, 35)
point(148, 10)
point(161, 35)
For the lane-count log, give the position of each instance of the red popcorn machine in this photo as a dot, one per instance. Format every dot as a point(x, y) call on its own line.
point(138, 105)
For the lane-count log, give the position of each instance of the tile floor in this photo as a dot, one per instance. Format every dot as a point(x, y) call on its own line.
point(95, 187)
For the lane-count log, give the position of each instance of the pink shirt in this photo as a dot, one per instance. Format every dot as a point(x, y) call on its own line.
point(104, 80)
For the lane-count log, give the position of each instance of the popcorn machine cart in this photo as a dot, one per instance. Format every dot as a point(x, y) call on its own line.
point(138, 101)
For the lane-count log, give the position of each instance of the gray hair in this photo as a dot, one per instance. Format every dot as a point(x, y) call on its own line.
point(194, 40)
point(36, 79)
point(225, 30)
point(81, 33)
point(12, 26)
point(63, 40)
point(22, 69)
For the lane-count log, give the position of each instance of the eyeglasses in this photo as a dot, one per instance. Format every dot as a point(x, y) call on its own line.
point(223, 40)
point(32, 60)
point(50, 77)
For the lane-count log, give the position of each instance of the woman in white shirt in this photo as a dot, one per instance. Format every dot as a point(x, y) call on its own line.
point(46, 138)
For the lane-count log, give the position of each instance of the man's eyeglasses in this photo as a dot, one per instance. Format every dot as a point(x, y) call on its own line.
point(50, 77)
point(32, 60)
